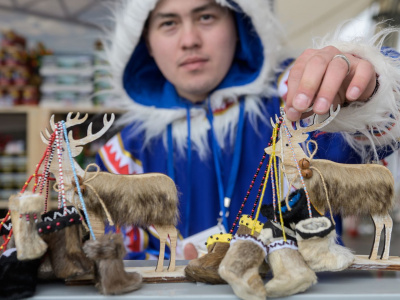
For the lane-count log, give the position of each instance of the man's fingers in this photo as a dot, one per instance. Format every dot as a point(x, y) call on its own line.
point(335, 74)
point(363, 82)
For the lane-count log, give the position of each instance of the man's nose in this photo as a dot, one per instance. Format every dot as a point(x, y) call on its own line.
point(190, 37)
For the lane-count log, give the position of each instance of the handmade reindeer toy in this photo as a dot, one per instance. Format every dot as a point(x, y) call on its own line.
point(298, 238)
point(143, 199)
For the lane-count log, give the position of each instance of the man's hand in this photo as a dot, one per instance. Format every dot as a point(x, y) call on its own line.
point(320, 78)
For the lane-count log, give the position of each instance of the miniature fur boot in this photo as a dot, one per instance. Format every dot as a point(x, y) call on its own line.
point(291, 273)
point(205, 268)
point(240, 267)
point(18, 279)
point(316, 239)
point(25, 213)
point(108, 252)
point(63, 234)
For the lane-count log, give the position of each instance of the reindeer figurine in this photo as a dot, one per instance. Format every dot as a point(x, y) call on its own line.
point(352, 189)
point(140, 199)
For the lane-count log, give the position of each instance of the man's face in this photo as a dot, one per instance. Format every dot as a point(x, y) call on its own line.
point(193, 43)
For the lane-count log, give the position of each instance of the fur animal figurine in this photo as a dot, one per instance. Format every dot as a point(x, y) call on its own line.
point(316, 236)
point(63, 234)
point(205, 268)
point(108, 252)
point(351, 189)
point(25, 210)
point(142, 199)
point(18, 279)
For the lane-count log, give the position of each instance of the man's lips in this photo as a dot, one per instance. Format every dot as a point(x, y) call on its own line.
point(193, 63)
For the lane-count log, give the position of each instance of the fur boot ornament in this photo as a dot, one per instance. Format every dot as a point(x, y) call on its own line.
point(205, 268)
point(18, 279)
point(25, 213)
point(316, 238)
point(63, 234)
point(291, 274)
point(108, 252)
point(240, 267)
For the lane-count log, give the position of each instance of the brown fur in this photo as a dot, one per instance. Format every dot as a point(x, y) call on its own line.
point(205, 268)
point(141, 199)
point(352, 189)
point(66, 255)
point(108, 252)
point(27, 240)
point(240, 269)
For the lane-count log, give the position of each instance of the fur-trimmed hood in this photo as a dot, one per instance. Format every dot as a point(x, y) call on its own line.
point(153, 103)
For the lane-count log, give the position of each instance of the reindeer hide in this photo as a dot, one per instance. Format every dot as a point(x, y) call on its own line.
point(141, 199)
point(352, 189)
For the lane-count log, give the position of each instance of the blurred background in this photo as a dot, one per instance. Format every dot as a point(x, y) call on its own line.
point(51, 63)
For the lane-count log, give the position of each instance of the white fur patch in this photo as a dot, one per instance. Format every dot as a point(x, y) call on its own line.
point(382, 110)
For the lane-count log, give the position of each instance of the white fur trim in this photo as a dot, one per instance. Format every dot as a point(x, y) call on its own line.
point(313, 226)
point(375, 113)
point(27, 203)
point(130, 17)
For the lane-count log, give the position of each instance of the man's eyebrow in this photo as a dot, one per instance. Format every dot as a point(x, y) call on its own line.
point(161, 15)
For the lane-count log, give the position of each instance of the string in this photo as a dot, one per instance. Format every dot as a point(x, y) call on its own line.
point(77, 181)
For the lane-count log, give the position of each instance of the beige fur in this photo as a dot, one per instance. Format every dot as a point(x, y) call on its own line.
point(291, 274)
point(65, 253)
point(240, 268)
point(205, 268)
point(108, 252)
point(352, 189)
point(27, 240)
point(322, 253)
point(141, 199)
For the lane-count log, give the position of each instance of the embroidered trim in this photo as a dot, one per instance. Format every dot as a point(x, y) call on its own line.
point(281, 244)
point(252, 239)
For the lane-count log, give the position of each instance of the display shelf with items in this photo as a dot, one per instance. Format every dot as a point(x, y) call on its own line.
point(67, 81)
point(19, 78)
point(22, 124)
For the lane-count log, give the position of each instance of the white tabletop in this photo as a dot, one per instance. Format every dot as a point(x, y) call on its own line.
point(353, 285)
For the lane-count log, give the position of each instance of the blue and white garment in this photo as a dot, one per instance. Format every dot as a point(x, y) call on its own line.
point(199, 145)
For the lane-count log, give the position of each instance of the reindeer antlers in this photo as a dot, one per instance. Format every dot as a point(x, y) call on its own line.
point(316, 125)
point(90, 136)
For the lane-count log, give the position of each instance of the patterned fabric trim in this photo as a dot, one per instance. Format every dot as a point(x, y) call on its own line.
point(117, 159)
point(281, 244)
point(252, 239)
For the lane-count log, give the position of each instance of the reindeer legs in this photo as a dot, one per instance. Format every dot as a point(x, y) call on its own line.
point(381, 222)
point(173, 236)
point(163, 232)
point(388, 222)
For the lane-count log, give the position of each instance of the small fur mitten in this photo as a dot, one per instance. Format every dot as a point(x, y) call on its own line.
point(63, 234)
point(25, 210)
point(108, 252)
point(240, 267)
point(316, 238)
point(291, 273)
point(18, 279)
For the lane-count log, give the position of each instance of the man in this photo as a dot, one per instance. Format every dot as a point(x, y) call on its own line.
point(198, 78)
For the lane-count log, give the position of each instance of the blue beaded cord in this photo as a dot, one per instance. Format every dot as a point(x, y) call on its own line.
point(77, 181)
